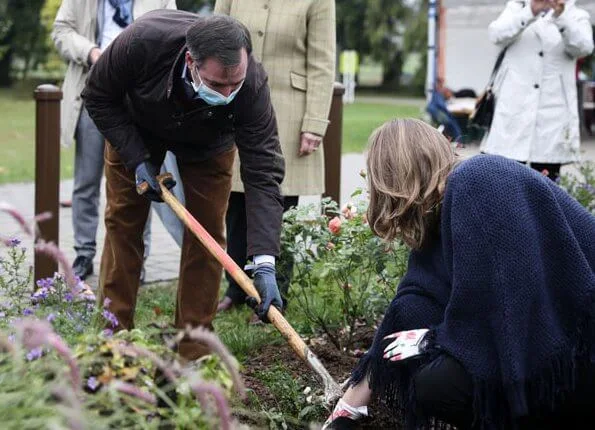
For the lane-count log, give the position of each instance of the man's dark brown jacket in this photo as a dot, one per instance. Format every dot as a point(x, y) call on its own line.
point(138, 100)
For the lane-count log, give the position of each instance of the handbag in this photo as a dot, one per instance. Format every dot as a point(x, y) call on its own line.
point(483, 113)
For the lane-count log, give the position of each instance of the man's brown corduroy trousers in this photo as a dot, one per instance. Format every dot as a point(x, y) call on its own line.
point(206, 187)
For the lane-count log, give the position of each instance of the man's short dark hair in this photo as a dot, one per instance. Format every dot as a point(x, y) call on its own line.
point(218, 36)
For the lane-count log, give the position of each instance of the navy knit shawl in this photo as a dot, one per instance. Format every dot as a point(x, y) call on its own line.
point(507, 289)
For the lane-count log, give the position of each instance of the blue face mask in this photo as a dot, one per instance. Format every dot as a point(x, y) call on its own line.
point(212, 97)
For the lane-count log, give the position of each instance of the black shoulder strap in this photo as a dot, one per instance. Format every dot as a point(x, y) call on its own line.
point(497, 67)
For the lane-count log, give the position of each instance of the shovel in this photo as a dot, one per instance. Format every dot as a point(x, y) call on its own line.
point(332, 391)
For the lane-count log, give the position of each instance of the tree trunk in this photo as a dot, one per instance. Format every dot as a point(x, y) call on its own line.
point(29, 55)
point(5, 68)
point(392, 73)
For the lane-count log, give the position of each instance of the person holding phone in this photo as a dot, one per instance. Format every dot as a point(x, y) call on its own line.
point(536, 119)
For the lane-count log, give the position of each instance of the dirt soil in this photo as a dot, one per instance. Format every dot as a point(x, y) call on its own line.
point(339, 365)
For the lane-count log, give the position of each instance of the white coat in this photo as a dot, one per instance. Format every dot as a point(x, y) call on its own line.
point(536, 115)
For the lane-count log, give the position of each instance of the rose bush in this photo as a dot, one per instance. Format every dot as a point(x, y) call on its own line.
point(343, 276)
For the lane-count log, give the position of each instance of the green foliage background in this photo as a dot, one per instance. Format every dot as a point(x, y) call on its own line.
point(383, 31)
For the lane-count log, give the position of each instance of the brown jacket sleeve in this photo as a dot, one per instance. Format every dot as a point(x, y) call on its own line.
point(105, 96)
point(262, 167)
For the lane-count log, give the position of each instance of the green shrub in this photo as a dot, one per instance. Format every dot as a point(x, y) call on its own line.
point(343, 275)
point(130, 379)
point(581, 186)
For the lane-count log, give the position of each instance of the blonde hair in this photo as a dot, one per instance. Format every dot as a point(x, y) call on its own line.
point(408, 163)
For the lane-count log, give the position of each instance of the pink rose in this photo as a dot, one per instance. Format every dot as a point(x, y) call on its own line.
point(334, 225)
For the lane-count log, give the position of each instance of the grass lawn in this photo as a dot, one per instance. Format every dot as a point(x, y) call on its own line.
point(17, 133)
point(360, 119)
point(156, 304)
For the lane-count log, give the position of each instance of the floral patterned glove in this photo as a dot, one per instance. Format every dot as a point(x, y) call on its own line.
point(406, 344)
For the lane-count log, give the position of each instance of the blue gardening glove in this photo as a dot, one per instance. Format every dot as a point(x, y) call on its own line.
point(147, 172)
point(265, 283)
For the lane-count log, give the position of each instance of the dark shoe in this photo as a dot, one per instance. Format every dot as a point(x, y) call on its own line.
point(82, 267)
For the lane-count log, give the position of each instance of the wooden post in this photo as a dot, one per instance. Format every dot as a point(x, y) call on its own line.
point(47, 171)
point(441, 40)
point(332, 146)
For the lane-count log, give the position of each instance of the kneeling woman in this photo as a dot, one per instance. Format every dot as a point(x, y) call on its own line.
point(493, 324)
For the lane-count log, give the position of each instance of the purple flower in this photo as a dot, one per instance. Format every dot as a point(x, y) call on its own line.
point(589, 188)
point(110, 317)
point(27, 312)
point(68, 297)
point(79, 286)
point(106, 302)
point(51, 317)
point(46, 283)
point(108, 332)
point(40, 295)
point(35, 353)
point(2, 314)
point(92, 383)
point(14, 242)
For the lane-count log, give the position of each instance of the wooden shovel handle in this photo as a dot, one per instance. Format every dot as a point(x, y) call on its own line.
point(332, 389)
point(276, 318)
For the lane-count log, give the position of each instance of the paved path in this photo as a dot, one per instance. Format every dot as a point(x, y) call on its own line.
point(163, 262)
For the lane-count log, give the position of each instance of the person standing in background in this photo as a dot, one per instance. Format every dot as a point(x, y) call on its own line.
point(82, 31)
point(296, 43)
point(536, 117)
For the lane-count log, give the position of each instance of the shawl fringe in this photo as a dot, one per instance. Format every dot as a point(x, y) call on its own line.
point(541, 392)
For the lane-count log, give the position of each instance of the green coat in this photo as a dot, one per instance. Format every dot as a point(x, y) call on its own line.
point(295, 41)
